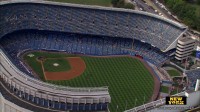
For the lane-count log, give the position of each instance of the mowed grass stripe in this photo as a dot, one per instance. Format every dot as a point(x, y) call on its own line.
point(127, 79)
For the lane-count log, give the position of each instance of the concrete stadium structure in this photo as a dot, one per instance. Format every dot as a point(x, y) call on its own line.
point(93, 20)
point(184, 48)
point(7, 106)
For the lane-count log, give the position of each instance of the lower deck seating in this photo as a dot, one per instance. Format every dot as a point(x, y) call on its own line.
point(48, 104)
point(17, 42)
point(193, 75)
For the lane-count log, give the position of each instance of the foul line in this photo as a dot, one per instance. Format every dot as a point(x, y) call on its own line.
point(43, 70)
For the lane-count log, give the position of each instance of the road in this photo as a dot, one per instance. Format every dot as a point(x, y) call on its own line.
point(142, 5)
point(164, 11)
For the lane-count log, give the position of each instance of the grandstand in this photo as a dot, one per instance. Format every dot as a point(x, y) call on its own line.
point(91, 30)
point(90, 20)
point(192, 76)
point(76, 43)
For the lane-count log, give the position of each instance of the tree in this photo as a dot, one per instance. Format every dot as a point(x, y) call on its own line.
point(129, 6)
point(187, 12)
point(122, 4)
point(114, 2)
point(198, 2)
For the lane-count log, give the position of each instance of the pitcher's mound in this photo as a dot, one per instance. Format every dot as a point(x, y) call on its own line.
point(77, 68)
point(55, 64)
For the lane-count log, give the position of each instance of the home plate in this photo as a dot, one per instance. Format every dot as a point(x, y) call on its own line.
point(56, 64)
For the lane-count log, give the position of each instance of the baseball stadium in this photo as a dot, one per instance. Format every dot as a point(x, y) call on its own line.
point(71, 57)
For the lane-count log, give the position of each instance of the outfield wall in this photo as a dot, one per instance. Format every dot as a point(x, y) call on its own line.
point(7, 106)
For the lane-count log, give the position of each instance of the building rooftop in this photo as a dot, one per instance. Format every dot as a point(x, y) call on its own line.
point(187, 39)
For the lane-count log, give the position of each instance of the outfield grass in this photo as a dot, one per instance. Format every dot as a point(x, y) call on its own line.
point(127, 79)
point(173, 72)
point(87, 2)
point(63, 65)
point(164, 89)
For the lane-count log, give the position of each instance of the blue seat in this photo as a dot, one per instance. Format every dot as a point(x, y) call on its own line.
point(57, 105)
point(93, 107)
point(63, 106)
point(45, 103)
point(74, 107)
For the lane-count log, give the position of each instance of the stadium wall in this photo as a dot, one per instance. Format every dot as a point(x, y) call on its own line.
point(7, 106)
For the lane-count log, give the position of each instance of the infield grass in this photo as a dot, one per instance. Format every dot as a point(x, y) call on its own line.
point(87, 2)
point(127, 78)
point(63, 65)
point(37, 66)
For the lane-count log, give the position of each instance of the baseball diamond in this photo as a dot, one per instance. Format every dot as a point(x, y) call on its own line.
point(58, 64)
point(77, 68)
point(101, 71)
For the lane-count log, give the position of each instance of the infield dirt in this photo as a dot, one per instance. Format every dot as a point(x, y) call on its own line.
point(77, 68)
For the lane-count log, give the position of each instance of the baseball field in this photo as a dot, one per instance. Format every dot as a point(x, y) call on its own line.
point(130, 81)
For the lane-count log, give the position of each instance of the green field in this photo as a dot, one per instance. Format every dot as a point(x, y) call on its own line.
point(36, 65)
point(174, 92)
point(173, 72)
point(87, 2)
point(164, 89)
point(126, 77)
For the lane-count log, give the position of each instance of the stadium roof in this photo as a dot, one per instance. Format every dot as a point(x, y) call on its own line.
point(93, 7)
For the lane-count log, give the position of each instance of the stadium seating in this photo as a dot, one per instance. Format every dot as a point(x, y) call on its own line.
point(77, 43)
point(93, 21)
point(49, 104)
point(81, 30)
point(193, 75)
